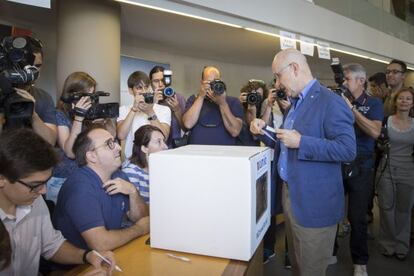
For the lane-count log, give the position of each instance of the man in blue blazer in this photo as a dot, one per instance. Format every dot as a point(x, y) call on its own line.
point(316, 136)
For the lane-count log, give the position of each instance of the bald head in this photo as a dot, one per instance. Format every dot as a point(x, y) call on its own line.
point(289, 56)
point(210, 73)
point(291, 70)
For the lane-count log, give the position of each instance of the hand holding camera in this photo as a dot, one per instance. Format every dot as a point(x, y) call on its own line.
point(81, 108)
point(173, 103)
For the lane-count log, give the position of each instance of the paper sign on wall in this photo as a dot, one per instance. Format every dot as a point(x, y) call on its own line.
point(306, 45)
point(323, 50)
point(287, 40)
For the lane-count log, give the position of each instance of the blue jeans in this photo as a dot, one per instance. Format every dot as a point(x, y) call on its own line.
point(358, 189)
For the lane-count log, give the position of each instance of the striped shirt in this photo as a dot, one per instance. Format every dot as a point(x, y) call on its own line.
point(138, 177)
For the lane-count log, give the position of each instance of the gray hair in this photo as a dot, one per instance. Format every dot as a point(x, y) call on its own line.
point(356, 70)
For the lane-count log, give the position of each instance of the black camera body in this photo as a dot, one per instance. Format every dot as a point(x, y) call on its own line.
point(339, 80)
point(253, 98)
point(97, 110)
point(148, 97)
point(16, 68)
point(218, 86)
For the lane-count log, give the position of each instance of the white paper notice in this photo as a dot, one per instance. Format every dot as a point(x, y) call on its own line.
point(323, 50)
point(306, 45)
point(287, 40)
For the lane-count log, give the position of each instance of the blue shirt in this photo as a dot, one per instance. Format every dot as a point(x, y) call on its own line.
point(372, 108)
point(138, 177)
point(288, 124)
point(83, 204)
point(210, 129)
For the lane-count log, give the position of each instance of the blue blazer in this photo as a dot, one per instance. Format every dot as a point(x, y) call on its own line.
point(316, 191)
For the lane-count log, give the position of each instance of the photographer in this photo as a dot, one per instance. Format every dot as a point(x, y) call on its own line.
point(395, 177)
point(176, 102)
point(275, 106)
point(213, 117)
point(147, 139)
point(368, 113)
point(144, 111)
point(70, 118)
point(43, 117)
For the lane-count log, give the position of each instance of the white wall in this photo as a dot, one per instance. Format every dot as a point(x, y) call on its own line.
point(187, 69)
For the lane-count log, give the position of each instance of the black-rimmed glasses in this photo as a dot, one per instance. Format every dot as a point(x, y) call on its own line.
point(110, 143)
point(33, 188)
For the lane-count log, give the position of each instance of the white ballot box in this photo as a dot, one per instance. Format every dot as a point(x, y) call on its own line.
point(210, 200)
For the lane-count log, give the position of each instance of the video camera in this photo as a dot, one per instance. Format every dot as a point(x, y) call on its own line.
point(97, 110)
point(339, 80)
point(17, 69)
point(168, 91)
point(218, 86)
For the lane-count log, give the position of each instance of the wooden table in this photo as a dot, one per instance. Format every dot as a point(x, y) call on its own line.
point(138, 258)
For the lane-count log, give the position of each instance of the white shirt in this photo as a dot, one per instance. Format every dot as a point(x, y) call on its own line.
point(31, 235)
point(163, 114)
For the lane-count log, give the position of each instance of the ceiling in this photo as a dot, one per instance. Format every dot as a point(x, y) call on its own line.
point(192, 37)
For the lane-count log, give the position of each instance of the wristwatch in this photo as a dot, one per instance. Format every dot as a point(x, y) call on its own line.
point(152, 118)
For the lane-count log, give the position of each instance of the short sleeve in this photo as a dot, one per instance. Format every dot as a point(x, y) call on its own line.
point(236, 108)
point(84, 210)
point(123, 112)
point(62, 120)
point(376, 111)
point(51, 239)
point(44, 106)
point(163, 113)
point(189, 102)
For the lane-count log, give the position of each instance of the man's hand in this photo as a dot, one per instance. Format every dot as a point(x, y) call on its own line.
point(173, 103)
point(146, 107)
point(118, 185)
point(204, 88)
point(256, 126)
point(158, 96)
point(97, 262)
point(271, 97)
point(217, 99)
point(289, 137)
point(243, 97)
point(26, 95)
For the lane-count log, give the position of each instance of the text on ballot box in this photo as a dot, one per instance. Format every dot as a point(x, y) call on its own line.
point(210, 200)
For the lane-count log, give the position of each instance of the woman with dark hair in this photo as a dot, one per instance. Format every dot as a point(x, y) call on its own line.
point(395, 177)
point(70, 120)
point(147, 139)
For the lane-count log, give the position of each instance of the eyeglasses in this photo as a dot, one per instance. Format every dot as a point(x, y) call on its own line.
point(33, 188)
point(279, 74)
point(110, 143)
point(394, 72)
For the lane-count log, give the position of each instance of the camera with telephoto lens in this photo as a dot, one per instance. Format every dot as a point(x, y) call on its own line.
point(253, 98)
point(218, 86)
point(97, 110)
point(17, 70)
point(168, 91)
point(148, 97)
point(339, 80)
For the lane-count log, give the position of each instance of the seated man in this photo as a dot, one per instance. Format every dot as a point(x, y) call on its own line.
point(212, 117)
point(26, 162)
point(95, 202)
